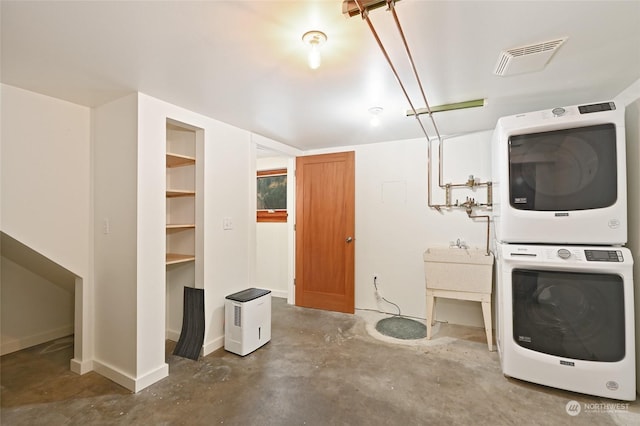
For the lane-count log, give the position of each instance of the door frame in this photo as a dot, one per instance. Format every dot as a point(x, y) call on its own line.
point(290, 153)
point(260, 142)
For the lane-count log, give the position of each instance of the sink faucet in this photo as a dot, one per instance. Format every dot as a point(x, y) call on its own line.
point(460, 244)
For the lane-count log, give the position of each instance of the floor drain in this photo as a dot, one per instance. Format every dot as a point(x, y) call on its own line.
point(402, 328)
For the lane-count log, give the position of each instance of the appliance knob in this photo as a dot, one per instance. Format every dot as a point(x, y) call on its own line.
point(564, 254)
point(557, 112)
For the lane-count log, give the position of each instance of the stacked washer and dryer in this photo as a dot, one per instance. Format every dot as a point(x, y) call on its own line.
point(564, 283)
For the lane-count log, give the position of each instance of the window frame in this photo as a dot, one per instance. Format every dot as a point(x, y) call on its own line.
point(277, 215)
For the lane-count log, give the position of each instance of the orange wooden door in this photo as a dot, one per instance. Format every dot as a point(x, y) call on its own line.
point(325, 226)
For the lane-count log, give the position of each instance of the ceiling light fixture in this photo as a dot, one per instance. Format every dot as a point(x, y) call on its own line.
point(314, 39)
point(375, 116)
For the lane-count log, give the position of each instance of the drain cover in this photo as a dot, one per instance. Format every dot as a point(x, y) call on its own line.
point(402, 328)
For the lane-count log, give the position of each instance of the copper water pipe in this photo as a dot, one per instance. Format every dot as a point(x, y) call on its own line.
point(391, 6)
point(365, 15)
point(474, 216)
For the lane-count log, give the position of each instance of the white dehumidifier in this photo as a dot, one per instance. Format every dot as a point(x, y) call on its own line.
point(247, 324)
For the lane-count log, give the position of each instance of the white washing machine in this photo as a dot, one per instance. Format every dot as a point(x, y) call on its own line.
point(565, 317)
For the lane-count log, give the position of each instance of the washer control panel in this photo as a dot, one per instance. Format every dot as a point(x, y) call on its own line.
point(588, 257)
point(603, 255)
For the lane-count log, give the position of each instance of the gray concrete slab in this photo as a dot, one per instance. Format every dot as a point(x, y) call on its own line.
point(320, 368)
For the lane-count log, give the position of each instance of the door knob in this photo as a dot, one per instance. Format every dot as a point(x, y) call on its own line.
point(349, 239)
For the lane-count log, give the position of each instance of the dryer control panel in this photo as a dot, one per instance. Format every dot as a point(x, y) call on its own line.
point(604, 255)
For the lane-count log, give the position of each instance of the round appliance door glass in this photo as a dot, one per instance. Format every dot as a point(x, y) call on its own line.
point(560, 168)
point(570, 169)
point(569, 314)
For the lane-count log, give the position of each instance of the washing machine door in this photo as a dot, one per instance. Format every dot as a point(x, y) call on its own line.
point(564, 170)
point(569, 314)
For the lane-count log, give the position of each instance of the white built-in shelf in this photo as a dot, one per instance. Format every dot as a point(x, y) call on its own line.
point(180, 234)
point(174, 258)
point(172, 193)
point(178, 160)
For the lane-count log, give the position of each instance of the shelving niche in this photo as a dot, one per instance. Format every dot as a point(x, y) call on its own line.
point(180, 194)
point(183, 230)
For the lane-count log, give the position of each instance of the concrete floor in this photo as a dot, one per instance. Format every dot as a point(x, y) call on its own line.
point(320, 368)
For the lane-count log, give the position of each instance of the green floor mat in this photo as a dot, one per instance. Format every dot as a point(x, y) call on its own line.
point(402, 328)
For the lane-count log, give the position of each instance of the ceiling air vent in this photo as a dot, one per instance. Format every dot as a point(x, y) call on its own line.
point(524, 59)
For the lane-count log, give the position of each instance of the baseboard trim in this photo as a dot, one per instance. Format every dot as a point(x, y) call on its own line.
point(114, 375)
point(213, 345)
point(80, 367)
point(207, 348)
point(172, 335)
point(152, 377)
point(15, 345)
point(133, 384)
point(282, 294)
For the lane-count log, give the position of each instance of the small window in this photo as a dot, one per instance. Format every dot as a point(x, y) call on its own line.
point(272, 196)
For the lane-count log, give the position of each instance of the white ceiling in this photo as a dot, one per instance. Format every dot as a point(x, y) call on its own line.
point(243, 62)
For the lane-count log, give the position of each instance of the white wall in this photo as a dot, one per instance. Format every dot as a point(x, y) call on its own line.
point(45, 195)
point(115, 180)
point(129, 182)
point(224, 260)
point(394, 225)
point(46, 191)
point(272, 249)
point(272, 243)
point(631, 98)
point(633, 181)
point(228, 254)
point(290, 153)
point(34, 309)
point(46, 167)
point(178, 276)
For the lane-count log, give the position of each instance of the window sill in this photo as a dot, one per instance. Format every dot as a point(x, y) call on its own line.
point(271, 216)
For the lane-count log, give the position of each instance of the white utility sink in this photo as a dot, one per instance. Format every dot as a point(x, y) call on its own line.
point(458, 269)
point(459, 273)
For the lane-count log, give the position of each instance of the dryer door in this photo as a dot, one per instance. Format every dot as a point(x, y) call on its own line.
point(564, 170)
point(569, 314)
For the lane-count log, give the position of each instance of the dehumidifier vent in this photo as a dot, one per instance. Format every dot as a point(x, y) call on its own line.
point(529, 58)
point(237, 316)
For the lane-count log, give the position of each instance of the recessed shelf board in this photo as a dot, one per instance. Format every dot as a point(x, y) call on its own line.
point(172, 193)
point(178, 160)
point(174, 258)
point(181, 226)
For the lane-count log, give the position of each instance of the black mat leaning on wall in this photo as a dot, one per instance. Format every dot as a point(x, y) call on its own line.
point(192, 334)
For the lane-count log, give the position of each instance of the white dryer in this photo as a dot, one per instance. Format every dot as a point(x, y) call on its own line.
point(565, 317)
point(559, 176)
